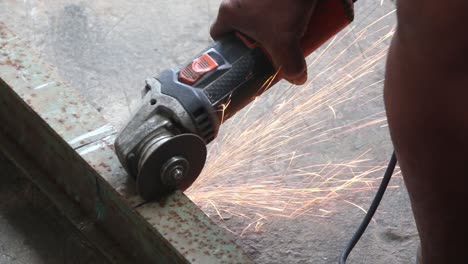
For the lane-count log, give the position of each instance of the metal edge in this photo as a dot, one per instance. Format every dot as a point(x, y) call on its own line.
point(26, 125)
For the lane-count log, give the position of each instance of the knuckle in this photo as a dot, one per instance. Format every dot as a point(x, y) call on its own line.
point(224, 8)
point(228, 7)
point(292, 69)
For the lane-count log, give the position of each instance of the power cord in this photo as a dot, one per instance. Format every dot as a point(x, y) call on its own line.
point(370, 213)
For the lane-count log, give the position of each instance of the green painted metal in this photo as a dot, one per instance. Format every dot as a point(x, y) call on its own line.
point(63, 145)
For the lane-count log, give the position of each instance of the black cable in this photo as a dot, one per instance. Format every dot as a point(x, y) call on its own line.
point(370, 213)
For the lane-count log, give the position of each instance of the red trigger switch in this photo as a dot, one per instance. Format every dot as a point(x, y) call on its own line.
point(199, 67)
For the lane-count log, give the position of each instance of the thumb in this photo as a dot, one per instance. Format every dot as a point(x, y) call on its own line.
point(287, 55)
point(219, 28)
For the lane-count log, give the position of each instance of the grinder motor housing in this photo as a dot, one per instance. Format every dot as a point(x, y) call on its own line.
point(163, 147)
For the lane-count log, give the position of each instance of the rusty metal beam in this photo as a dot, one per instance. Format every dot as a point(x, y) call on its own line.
point(65, 147)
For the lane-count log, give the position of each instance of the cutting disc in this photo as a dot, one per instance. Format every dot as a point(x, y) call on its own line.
point(170, 164)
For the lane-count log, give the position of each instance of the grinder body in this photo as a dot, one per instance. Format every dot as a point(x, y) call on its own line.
point(164, 145)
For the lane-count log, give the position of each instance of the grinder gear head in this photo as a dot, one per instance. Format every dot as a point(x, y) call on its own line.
point(164, 145)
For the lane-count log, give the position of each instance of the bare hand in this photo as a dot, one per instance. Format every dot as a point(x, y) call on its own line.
point(278, 25)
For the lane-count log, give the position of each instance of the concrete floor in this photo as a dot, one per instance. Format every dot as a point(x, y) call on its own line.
point(106, 49)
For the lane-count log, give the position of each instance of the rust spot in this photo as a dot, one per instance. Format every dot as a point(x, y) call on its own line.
point(173, 214)
point(16, 64)
point(102, 164)
point(162, 203)
point(33, 95)
point(206, 252)
point(63, 109)
point(61, 121)
point(77, 116)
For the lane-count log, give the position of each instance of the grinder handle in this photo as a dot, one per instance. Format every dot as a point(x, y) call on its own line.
point(236, 69)
point(329, 18)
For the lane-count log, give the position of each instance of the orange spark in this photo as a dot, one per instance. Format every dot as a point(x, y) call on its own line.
point(255, 168)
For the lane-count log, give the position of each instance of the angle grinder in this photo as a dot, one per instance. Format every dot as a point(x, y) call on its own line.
point(163, 147)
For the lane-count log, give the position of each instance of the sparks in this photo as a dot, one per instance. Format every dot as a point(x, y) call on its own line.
point(253, 169)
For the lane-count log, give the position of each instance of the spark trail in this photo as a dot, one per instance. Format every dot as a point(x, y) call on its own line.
point(253, 169)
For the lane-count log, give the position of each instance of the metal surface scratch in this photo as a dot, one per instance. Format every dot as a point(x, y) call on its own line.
point(101, 130)
point(43, 85)
point(90, 148)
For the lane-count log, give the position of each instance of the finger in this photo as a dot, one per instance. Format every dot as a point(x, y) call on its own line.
point(219, 29)
point(288, 56)
point(222, 26)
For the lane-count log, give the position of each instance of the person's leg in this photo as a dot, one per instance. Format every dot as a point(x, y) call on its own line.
point(426, 98)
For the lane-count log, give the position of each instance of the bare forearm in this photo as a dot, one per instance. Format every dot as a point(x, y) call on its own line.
point(426, 102)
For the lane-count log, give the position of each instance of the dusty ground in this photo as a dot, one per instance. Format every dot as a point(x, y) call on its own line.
point(107, 48)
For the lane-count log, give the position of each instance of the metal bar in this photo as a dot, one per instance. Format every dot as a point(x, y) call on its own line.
point(18, 190)
point(39, 115)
